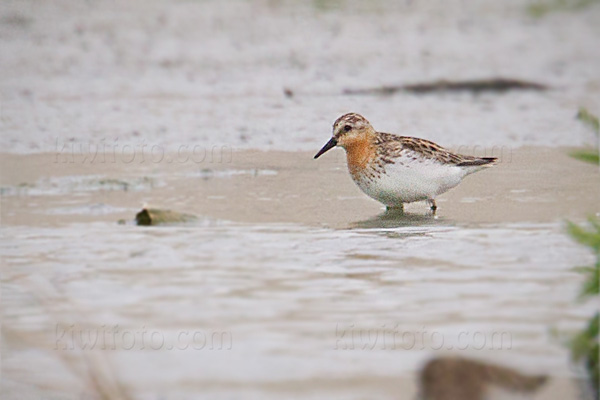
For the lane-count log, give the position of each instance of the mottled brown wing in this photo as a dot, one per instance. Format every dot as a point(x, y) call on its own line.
point(394, 145)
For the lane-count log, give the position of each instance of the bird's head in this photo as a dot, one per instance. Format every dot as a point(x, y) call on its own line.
point(348, 130)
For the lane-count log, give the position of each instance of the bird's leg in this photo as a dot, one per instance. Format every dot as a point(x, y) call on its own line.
point(432, 204)
point(395, 208)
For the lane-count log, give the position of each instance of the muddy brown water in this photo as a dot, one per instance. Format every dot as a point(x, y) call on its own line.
point(292, 283)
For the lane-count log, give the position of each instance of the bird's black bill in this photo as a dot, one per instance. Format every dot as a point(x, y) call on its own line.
point(331, 144)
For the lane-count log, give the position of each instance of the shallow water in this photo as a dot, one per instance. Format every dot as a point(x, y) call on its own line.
point(292, 284)
point(320, 306)
point(285, 293)
point(305, 291)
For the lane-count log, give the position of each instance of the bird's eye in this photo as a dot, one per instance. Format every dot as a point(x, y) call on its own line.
point(347, 128)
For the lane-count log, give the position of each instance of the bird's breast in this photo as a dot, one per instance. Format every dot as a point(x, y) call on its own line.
point(360, 155)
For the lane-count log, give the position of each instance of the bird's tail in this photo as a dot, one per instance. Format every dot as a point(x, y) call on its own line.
point(477, 161)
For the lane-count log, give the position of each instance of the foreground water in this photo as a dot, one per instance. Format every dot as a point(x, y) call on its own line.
point(304, 291)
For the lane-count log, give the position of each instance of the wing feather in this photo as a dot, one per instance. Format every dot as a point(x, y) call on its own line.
point(392, 146)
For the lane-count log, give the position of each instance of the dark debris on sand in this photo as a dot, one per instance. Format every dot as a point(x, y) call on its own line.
point(473, 86)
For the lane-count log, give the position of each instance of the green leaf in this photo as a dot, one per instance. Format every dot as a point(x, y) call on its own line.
point(541, 8)
point(589, 119)
point(583, 342)
point(585, 346)
point(590, 238)
point(595, 222)
point(591, 285)
point(589, 156)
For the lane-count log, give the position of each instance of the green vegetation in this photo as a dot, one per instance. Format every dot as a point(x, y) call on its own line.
point(589, 119)
point(588, 155)
point(585, 346)
point(541, 8)
point(327, 5)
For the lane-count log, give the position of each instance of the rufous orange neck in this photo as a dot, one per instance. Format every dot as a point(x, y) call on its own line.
point(359, 153)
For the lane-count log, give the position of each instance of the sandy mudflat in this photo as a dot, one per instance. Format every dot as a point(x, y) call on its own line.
point(214, 72)
point(527, 185)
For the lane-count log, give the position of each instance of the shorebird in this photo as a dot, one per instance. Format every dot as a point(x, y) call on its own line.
point(396, 169)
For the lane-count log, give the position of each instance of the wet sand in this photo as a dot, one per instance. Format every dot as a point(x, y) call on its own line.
point(527, 185)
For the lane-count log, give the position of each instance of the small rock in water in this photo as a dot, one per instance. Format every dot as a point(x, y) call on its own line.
point(150, 216)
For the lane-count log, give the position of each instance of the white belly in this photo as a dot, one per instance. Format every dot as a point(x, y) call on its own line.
point(405, 182)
